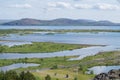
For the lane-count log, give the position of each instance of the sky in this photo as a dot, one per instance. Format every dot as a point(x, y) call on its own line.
point(52, 9)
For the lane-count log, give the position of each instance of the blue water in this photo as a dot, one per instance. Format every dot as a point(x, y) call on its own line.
point(101, 38)
point(62, 27)
point(12, 43)
point(103, 69)
point(18, 65)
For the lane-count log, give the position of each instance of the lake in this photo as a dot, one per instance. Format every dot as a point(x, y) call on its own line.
point(110, 39)
point(18, 65)
point(103, 69)
point(12, 43)
point(62, 27)
point(101, 38)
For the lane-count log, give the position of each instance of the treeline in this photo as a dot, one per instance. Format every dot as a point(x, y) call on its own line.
point(12, 75)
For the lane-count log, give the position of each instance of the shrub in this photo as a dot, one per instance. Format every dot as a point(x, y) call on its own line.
point(48, 77)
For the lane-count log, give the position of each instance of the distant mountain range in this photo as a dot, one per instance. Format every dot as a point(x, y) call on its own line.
point(2, 21)
point(59, 22)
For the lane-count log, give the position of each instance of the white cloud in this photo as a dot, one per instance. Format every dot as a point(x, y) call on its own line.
point(83, 6)
point(21, 6)
point(86, 0)
point(98, 6)
point(104, 6)
point(59, 5)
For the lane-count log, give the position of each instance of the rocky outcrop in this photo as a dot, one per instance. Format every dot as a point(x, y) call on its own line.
point(114, 74)
point(111, 75)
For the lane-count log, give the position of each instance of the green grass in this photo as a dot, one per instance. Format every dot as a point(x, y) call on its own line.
point(40, 47)
point(45, 63)
point(4, 32)
point(61, 73)
point(103, 58)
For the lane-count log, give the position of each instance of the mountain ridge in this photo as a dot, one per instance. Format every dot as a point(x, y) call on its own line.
point(2, 21)
point(59, 22)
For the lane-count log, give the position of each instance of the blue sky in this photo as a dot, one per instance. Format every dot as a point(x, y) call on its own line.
point(51, 9)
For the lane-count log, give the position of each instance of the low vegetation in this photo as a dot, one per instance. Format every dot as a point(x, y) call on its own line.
point(62, 74)
point(4, 32)
point(60, 68)
point(103, 58)
point(44, 62)
point(57, 68)
point(40, 47)
point(56, 74)
point(12, 75)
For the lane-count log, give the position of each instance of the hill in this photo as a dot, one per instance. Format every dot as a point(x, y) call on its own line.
point(59, 22)
point(4, 21)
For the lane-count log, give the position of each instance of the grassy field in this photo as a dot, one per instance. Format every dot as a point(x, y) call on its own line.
point(60, 74)
point(45, 63)
point(103, 58)
point(40, 47)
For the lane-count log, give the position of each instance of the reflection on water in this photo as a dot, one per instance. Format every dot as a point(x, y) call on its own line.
point(18, 65)
point(103, 69)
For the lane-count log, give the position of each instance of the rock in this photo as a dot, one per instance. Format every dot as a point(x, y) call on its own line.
point(111, 75)
point(114, 74)
point(102, 76)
